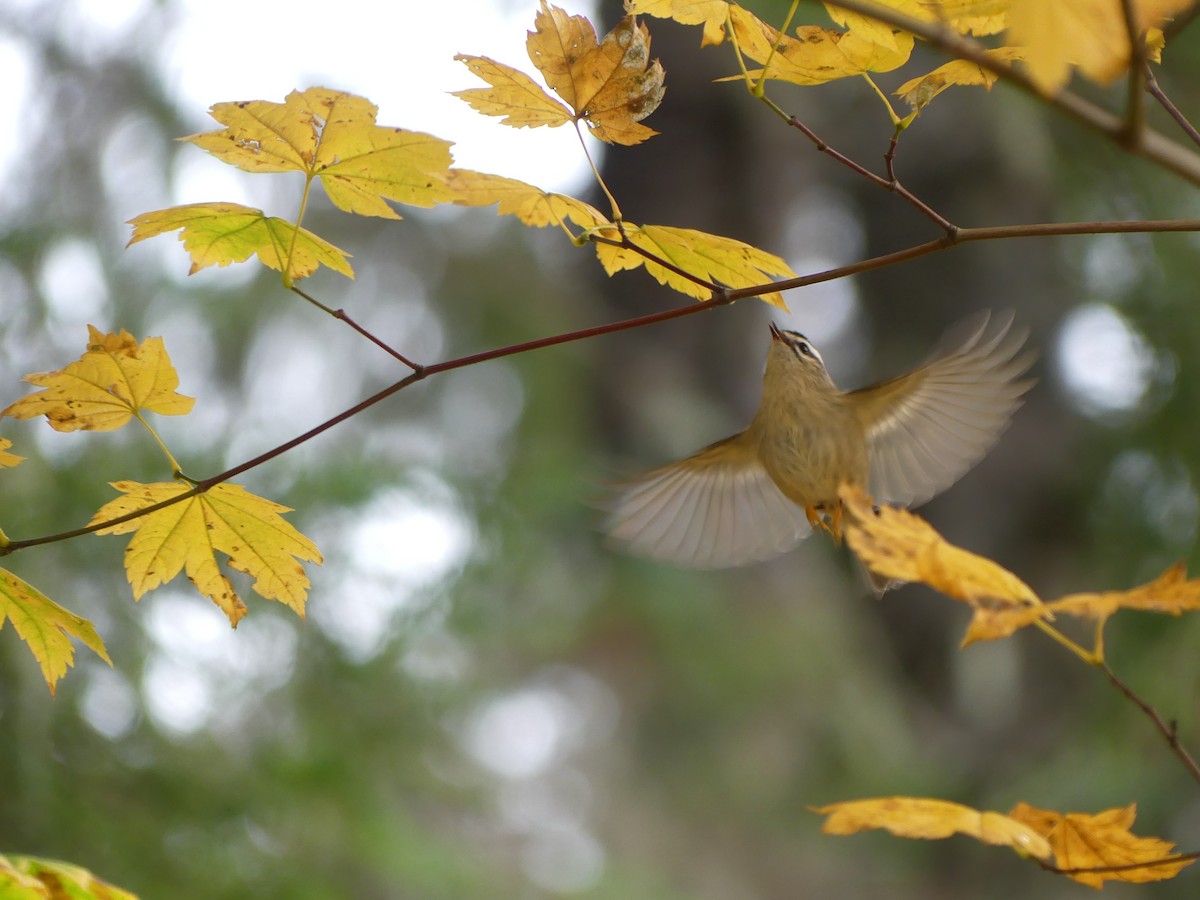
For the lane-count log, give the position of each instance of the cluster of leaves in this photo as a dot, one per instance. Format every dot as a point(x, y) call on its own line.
point(604, 87)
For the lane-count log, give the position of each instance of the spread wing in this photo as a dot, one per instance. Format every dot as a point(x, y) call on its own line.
point(926, 429)
point(715, 509)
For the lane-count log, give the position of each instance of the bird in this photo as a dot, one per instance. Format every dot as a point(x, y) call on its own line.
point(756, 494)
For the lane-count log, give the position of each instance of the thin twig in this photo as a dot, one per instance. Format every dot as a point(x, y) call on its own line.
point(345, 317)
point(1174, 859)
point(1167, 729)
point(890, 183)
point(721, 297)
point(1155, 90)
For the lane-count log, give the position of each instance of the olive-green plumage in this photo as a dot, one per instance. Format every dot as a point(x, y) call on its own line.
point(753, 495)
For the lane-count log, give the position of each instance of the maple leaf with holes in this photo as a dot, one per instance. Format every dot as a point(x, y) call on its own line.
point(332, 136)
point(217, 234)
point(609, 85)
point(115, 380)
point(45, 627)
point(187, 535)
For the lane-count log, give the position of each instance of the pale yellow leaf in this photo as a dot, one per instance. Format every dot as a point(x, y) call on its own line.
point(817, 55)
point(513, 96)
point(46, 627)
point(927, 819)
point(532, 205)
point(709, 13)
point(1088, 34)
point(919, 91)
point(709, 257)
point(102, 390)
point(332, 135)
point(185, 536)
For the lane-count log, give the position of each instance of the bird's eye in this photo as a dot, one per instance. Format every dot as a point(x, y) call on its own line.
point(800, 346)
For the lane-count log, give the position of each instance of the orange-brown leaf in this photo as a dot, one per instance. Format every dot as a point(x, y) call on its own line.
point(610, 85)
point(1102, 841)
point(927, 819)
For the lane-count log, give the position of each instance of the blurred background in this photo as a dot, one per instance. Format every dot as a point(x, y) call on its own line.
point(484, 701)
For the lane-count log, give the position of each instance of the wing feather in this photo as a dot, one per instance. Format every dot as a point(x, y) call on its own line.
point(715, 509)
point(926, 429)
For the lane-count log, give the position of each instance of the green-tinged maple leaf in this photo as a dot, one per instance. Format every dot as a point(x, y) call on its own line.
point(706, 256)
point(610, 85)
point(46, 627)
point(817, 55)
point(34, 878)
point(187, 535)
point(217, 234)
point(532, 205)
point(8, 460)
point(114, 380)
point(333, 136)
point(919, 91)
point(709, 13)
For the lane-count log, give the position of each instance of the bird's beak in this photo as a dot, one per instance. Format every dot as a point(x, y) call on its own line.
point(776, 334)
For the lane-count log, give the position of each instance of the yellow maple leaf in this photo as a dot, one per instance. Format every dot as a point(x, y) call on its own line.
point(46, 627)
point(531, 205)
point(712, 14)
point(333, 136)
point(928, 819)
point(113, 381)
point(897, 544)
point(35, 878)
point(217, 234)
point(1088, 34)
point(515, 98)
point(978, 17)
point(717, 259)
point(817, 55)
point(8, 460)
point(919, 91)
point(1100, 841)
point(188, 534)
point(609, 85)
point(1171, 593)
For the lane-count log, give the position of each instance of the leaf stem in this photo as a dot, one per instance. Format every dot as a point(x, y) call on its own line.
point(176, 470)
point(340, 313)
